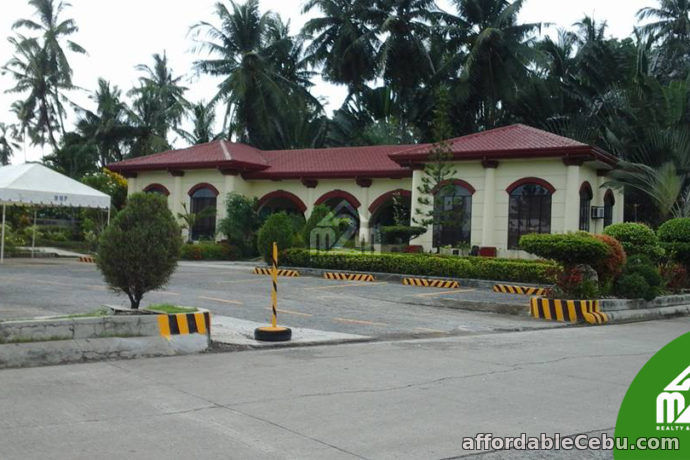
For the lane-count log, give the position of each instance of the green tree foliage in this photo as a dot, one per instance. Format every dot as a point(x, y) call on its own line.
point(278, 228)
point(203, 117)
point(138, 252)
point(8, 143)
point(241, 222)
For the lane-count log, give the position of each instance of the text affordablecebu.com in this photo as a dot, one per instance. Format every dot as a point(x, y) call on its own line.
point(486, 441)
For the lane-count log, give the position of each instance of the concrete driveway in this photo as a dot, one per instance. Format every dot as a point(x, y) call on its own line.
point(41, 287)
point(383, 400)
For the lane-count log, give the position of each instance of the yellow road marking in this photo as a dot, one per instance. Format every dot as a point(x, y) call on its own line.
point(215, 299)
point(454, 291)
point(98, 288)
point(290, 312)
point(345, 285)
point(359, 321)
point(429, 330)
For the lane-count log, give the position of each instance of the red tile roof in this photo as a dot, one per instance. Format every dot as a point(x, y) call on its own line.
point(516, 141)
point(342, 162)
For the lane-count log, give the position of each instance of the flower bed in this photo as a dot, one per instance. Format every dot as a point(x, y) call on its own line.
point(522, 271)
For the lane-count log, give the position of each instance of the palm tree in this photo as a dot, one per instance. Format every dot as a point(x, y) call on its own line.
point(109, 126)
point(8, 134)
point(203, 117)
point(500, 54)
point(52, 70)
point(344, 43)
point(672, 20)
point(159, 83)
point(246, 50)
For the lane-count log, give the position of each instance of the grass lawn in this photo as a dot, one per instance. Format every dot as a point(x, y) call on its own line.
point(170, 309)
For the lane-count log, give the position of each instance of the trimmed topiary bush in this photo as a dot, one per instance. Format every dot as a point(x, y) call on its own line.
point(277, 228)
point(569, 249)
point(675, 239)
point(138, 252)
point(636, 239)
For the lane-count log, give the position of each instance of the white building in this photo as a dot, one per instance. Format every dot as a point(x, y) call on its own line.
point(510, 181)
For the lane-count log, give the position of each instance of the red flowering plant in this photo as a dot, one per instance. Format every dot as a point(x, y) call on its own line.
point(577, 253)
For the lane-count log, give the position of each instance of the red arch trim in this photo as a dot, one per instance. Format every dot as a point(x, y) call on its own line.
point(459, 182)
point(157, 188)
point(531, 180)
point(354, 202)
point(283, 194)
point(203, 185)
point(609, 196)
point(378, 202)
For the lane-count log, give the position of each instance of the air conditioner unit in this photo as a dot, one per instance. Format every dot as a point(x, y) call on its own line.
point(598, 212)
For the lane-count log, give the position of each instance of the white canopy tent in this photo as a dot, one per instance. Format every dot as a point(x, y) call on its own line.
point(32, 184)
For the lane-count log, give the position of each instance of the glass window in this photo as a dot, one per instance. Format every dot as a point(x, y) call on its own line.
point(585, 206)
point(452, 216)
point(205, 227)
point(609, 203)
point(529, 212)
point(156, 188)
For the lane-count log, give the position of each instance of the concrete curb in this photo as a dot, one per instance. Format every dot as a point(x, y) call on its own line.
point(50, 341)
point(629, 316)
point(465, 282)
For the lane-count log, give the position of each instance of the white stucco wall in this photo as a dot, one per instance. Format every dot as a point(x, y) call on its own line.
point(493, 200)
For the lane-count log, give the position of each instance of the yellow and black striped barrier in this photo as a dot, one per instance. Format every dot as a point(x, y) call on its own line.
point(521, 290)
point(280, 272)
point(274, 333)
point(572, 311)
point(348, 276)
point(184, 323)
point(87, 259)
point(423, 282)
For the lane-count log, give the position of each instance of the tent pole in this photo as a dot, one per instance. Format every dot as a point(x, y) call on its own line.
point(2, 238)
point(33, 237)
point(108, 222)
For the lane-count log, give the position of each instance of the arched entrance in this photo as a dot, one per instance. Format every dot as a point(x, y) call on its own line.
point(344, 206)
point(391, 208)
point(281, 201)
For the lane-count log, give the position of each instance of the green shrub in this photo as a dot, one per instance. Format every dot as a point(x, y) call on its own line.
point(523, 271)
point(210, 251)
point(138, 252)
point(568, 249)
point(675, 239)
point(277, 228)
point(241, 222)
point(636, 239)
point(638, 268)
point(632, 286)
point(400, 234)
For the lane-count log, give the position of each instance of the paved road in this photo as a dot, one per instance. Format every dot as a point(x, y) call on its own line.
point(383, 400)
point(54, 286)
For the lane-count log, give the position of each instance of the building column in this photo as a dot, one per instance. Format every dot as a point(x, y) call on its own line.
point(419, 211)
point(599, 193)
point(571, 214)
point(619, 207)
point(131, 183)
point(489, 205)
point(363, 211)
point(311, 185)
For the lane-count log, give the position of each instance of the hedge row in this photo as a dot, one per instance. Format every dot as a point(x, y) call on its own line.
point(521, 271)
point(209, 251)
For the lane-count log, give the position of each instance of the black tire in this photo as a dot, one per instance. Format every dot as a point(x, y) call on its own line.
point(272, 335)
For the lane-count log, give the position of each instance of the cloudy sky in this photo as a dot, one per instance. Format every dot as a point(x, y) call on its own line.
point(119, 35)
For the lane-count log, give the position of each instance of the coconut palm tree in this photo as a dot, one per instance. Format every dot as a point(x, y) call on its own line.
point(342, 41)
point(165, 91)
point(203, 117)
point(8, 135)
point(500, 53)
point(670, 26)
point(45, 56)
point(245, 50)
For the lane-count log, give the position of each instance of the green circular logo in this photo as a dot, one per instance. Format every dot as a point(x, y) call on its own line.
point(654, 418)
